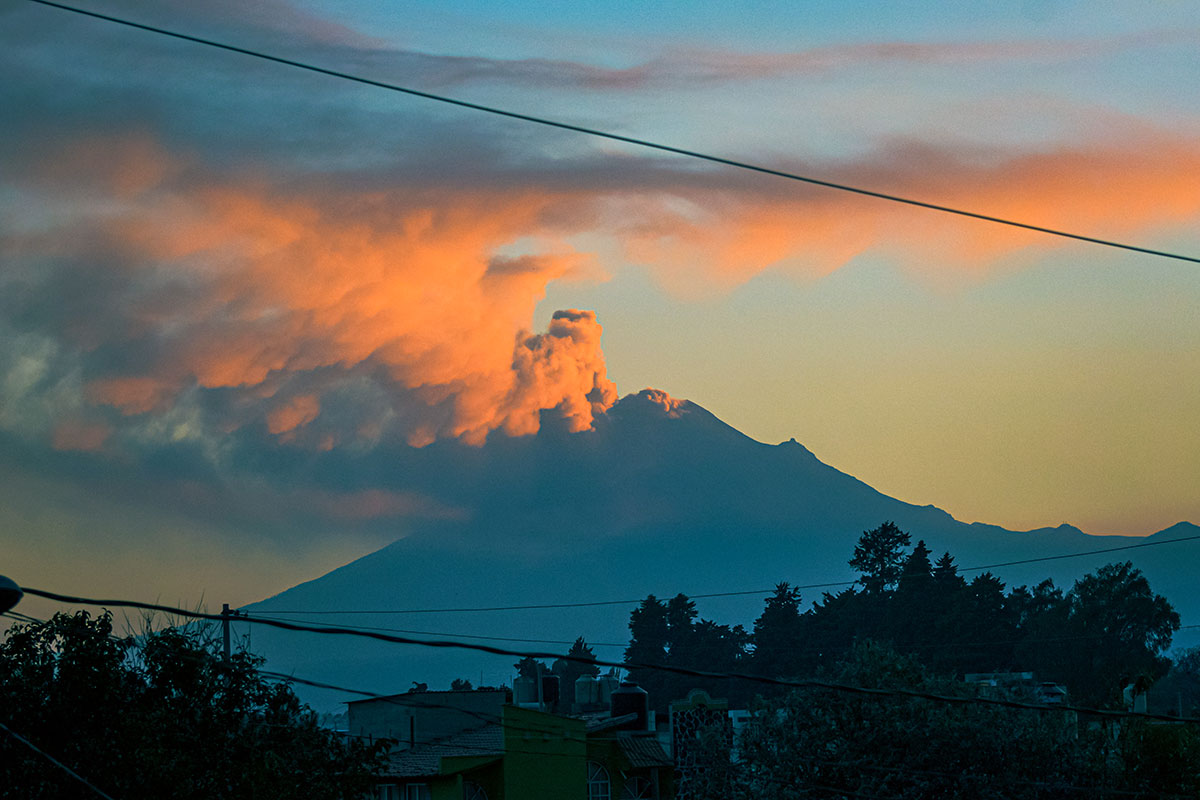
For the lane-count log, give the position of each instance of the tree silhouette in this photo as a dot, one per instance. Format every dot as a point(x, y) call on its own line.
point(821, 743)
point(1125, 627)
point(778, 633)
point(162, 715)
point(530, 667)
point(648, 636)
point(879, 557)
point(570, 671)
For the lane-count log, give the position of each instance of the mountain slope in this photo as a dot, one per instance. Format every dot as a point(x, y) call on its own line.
point(662, 497)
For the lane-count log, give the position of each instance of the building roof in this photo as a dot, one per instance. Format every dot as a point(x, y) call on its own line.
point(414, 698)
point(426, 758)
point(602, 722)
point(644, 752)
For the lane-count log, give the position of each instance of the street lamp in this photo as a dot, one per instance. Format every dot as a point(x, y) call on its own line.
point(10, 594)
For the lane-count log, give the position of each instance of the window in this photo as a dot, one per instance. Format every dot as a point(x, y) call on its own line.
point(473, 791)
point(598, 787)
point(386, 791)
point(637, 788)
point(416, 791)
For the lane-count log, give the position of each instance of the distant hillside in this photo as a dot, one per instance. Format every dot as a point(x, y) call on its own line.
point(662, 497)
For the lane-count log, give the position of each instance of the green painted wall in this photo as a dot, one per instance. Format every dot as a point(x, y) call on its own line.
point(546, 756)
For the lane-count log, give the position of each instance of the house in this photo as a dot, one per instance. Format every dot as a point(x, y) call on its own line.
point(464, 745)
point(1020, 683)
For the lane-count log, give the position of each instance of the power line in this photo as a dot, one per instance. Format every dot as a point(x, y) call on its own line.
point(677, 670)
point(54, 761)
point(410, 701)
point(811, 649)
point(639, 142)
point(490, 720)
point(902, 646)
point(746, 592)
point(462, 635)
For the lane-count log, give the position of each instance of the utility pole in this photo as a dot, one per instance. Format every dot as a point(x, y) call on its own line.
point(225, 615)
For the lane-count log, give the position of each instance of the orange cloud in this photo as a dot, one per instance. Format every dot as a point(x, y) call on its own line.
point(286, 297)
point(297, 412)
point(130, 395)
point(700, 240)
point(422, 297)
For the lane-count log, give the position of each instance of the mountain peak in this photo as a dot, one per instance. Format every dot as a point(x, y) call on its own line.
point(649, 398)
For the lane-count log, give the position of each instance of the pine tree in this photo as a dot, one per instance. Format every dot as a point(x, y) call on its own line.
point(777, 633)
point(879, 557)
point(570, 671)
point(917, 570)
point(945, 572)
point(648, 637)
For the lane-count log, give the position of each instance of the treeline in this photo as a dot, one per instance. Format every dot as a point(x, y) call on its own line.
point(1108, 630)
point(824, 743)
point(161, 714)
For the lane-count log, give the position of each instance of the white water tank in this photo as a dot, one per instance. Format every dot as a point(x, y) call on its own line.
point(525, 691)
point(587, 690)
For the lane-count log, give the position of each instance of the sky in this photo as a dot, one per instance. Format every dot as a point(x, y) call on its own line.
point(215, 269)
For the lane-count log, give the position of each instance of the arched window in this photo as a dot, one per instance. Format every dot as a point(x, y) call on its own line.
point(599, 787)
point(473, 791)
point(638, 788)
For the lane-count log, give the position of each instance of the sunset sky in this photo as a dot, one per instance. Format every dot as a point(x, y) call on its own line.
point(213, 269)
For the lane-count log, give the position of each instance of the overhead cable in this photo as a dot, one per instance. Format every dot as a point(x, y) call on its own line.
point(738, 593)
point(616, 137)
point(54, 761)
point(670, 668)
point(458, 635)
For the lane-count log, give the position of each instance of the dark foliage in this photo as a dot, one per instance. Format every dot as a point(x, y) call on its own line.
point(879, 556)
point(670, 633)
point(1109, 630)
point(160, 716)
point(817, 743)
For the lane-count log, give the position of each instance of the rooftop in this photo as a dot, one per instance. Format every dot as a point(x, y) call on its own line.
point(426, 759)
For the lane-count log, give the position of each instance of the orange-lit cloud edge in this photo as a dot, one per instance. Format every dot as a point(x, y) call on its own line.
point(288, 295)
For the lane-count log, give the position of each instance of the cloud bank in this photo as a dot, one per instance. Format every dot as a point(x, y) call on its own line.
point(338, 308)
point(326, 316)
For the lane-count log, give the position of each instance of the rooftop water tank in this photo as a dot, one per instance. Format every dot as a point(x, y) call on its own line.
point(587, 690)
point(525, 691)
point(550, 689)
point(607, 684)
point(629, 698)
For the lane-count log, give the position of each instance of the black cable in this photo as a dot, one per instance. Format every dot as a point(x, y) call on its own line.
point(410, 701)
point(620, 138)
point(458, 635)
point(54, 761)
point(677, 670)
point(729, 594)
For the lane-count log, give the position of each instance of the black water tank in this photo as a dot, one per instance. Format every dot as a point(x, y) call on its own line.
point(550, 689)
point(629, 698)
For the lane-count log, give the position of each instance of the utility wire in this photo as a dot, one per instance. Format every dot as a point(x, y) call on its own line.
point(415, 701)
point(746, 592)
point(903, 646)
point(492, 720)
point(789, 649)
point(54, 761)
point(459, 635)
point(729, 162)
point(677, 670)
